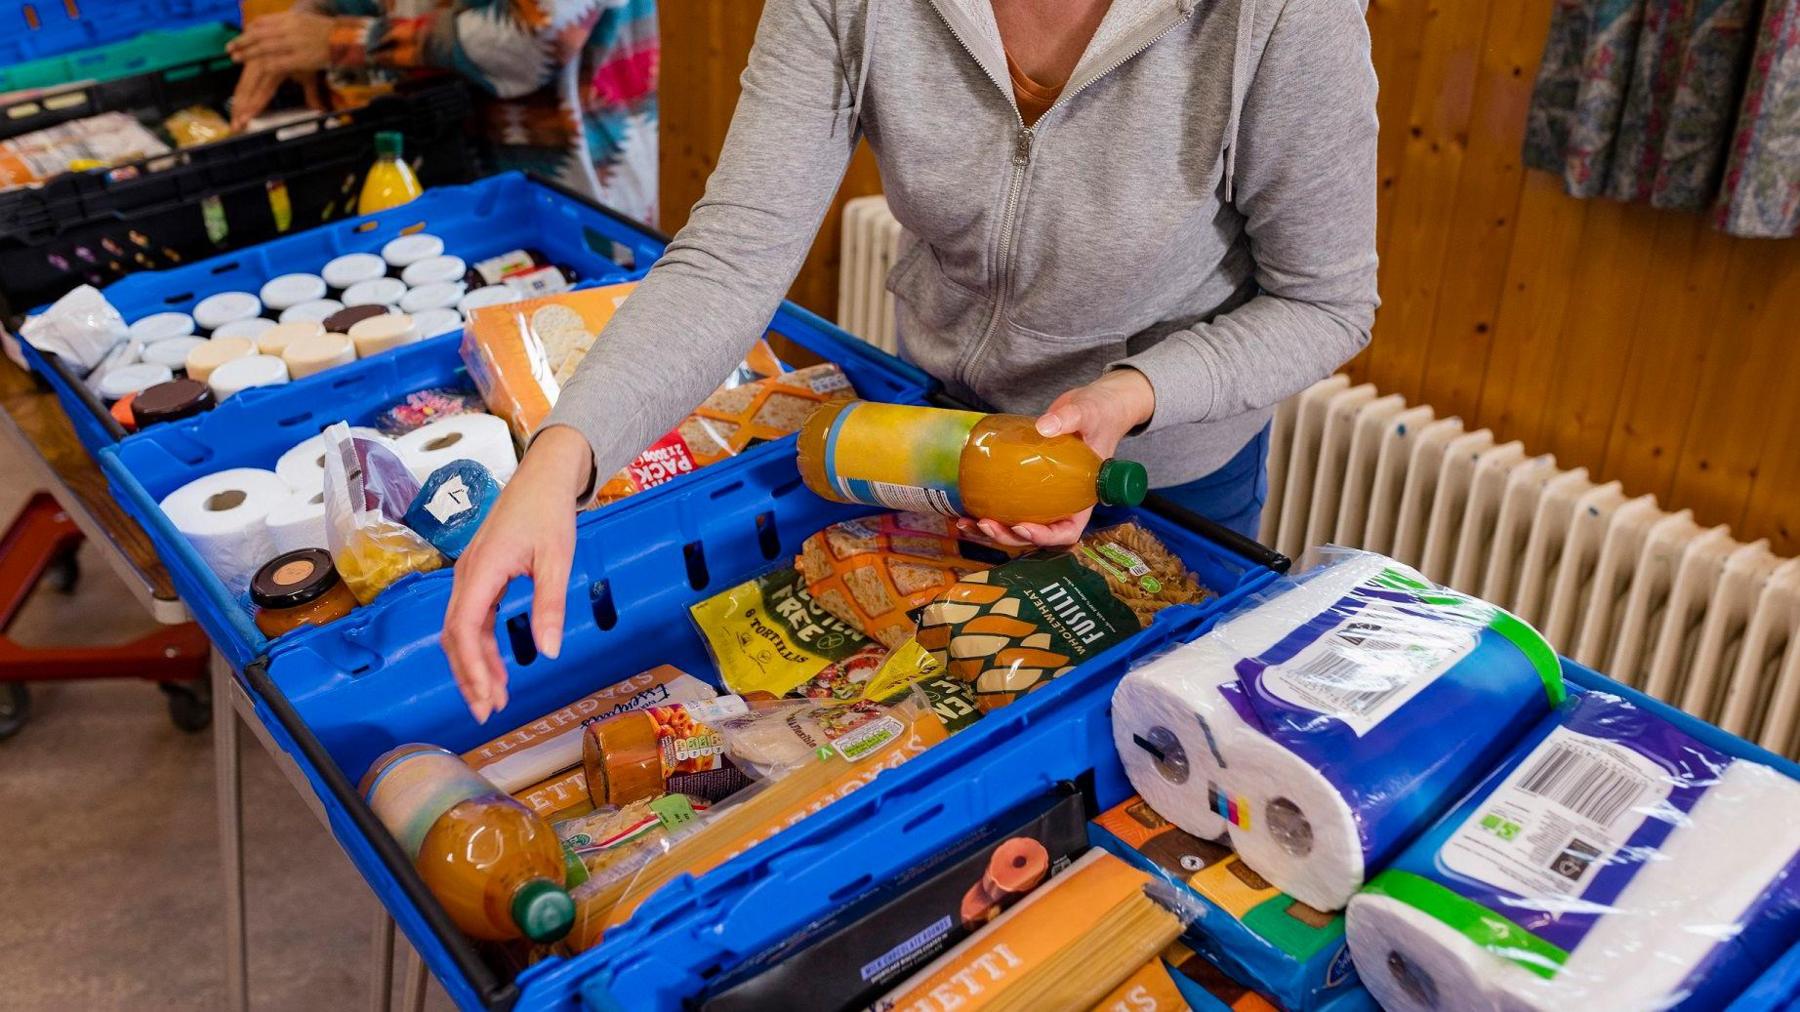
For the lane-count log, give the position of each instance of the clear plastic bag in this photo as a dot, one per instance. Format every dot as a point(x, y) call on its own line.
point(81, 327)
point(367, 491)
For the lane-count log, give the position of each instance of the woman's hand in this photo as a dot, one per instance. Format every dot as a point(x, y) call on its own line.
point(273, 48)
point(531, 532)
point(1101, 413)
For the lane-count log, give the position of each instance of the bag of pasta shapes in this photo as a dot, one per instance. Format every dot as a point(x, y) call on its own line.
point(1016, 627)
point(874, 572)
point(367, 491)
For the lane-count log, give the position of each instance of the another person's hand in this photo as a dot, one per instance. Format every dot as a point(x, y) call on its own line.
point(1101, 413)
point(531, 532)
point(274, 48)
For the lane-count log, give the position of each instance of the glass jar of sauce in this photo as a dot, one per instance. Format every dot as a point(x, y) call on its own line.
point(298, 588)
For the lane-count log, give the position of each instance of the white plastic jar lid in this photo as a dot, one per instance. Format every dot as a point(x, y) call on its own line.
point(249, 329)
point(316, 310)
point(487, 295)
point(410, 249)
point(350, 268)
point(216, 311)
point(243, 373)
point(290, 290)
point(434, 270)
point(129, 379)
point(172, 353)
point(378, 292)
point(437, 295)
point(433, 322)
point(162, 326)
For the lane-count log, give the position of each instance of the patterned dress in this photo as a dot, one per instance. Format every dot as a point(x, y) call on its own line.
point(568, 86)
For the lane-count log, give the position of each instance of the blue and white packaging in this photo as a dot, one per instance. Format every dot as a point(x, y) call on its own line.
point(1326, 724)
point(451, 505)
point(1611, 862)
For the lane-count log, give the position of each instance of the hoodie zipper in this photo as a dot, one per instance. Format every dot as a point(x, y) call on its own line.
point(1021, 161)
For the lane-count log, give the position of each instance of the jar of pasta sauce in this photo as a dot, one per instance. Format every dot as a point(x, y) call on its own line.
point(298, 588)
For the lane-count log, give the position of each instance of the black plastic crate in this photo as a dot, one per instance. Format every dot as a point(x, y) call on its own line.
point(96, 227)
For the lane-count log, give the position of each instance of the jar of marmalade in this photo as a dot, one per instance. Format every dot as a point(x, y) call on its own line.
point(298, 588)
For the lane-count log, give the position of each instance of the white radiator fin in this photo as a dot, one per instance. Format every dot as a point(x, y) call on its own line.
point(871, 240)
point(1683, 612)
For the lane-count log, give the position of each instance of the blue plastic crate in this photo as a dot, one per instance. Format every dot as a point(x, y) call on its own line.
point(477, 220)
point(35, 29)
point(754, 902)
point(1777, 990)
point(344, 694)
point(255, 427)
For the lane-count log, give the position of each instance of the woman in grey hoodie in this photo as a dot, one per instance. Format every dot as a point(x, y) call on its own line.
point(1146, 221)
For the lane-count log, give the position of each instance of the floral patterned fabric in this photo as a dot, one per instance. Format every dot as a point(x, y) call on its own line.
point(1683, 104)
point(570, 85)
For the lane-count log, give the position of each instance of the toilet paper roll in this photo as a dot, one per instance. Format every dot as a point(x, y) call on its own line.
point(484, 439)
point(298, 522)
point(1611, 861)
point(222, 515)
point(302, 467)
point(1323, 727)
point(241, 374)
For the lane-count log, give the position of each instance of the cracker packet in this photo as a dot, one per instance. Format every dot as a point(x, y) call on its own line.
point(874, 572)
point(735, 418)
point(1013, 629)
point(767, 636)
point(516, 351)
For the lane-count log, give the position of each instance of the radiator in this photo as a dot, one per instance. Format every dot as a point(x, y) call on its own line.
point(871, 238)
point(1679, 610)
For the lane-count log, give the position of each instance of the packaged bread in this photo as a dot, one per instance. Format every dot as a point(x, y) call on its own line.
point(874, 572)
point(725, 424)
point(1016, 627)
point(515, 352)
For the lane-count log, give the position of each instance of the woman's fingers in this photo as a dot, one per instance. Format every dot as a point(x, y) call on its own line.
point(468, 637)
point(256, 87)
point(1065, 414)
point(550, 587)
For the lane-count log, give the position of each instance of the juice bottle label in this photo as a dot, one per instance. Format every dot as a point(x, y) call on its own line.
point(418, 787)
point(902, 458)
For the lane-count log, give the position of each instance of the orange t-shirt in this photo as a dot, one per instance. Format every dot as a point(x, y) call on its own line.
point(1034, 99)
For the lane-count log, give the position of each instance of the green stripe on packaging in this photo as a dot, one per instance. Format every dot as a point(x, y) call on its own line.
point(1487, 929)
point(1536, 650)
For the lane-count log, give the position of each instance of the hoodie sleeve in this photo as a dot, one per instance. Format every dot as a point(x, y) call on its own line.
point(1305, 182)
point(710, 296)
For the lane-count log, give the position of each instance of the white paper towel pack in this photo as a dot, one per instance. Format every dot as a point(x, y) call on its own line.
point(223, 514)
point(1612, 863)
point(298, 522)
point(484, 439)
point(302, 467)
point(1328, 723)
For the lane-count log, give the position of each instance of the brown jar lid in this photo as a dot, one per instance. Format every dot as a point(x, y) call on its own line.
point(341, 321)
point(170, 401)
point(293, 578)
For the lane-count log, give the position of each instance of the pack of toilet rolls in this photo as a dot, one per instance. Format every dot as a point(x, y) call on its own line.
point(1328, 721)
point(1611, 861)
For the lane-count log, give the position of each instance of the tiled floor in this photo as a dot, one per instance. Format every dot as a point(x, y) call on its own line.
point(110, 893)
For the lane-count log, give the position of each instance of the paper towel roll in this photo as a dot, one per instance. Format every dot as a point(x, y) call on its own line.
point(484, 439)
point(1609, 854)
point(302, 467)
point(1307, 731)
point(222, 514)
point(298, 522)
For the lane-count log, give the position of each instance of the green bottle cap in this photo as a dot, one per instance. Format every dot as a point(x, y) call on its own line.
point(389, 143)
point(1123, 482)
point(542, 910)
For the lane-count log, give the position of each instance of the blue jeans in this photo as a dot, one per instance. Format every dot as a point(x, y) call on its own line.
point(1233, 495)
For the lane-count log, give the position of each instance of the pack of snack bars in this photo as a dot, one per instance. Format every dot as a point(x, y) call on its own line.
point(732, 420)
point(874, 572)
point(1014, 628)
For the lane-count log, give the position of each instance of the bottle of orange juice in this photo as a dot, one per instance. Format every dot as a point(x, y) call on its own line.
point(390, 181)
point(958, 463)
point(497, 867)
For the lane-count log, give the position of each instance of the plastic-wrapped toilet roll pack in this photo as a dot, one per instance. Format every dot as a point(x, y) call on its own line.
point(1610, 862)
point(484, 439)
point(223, 514)
point(1328, 722)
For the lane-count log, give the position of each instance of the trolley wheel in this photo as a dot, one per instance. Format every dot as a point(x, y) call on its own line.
point(190, 704)
point(65, 573)
point(15, 708)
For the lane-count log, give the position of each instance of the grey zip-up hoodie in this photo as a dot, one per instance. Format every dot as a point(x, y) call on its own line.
point(1199, 205)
